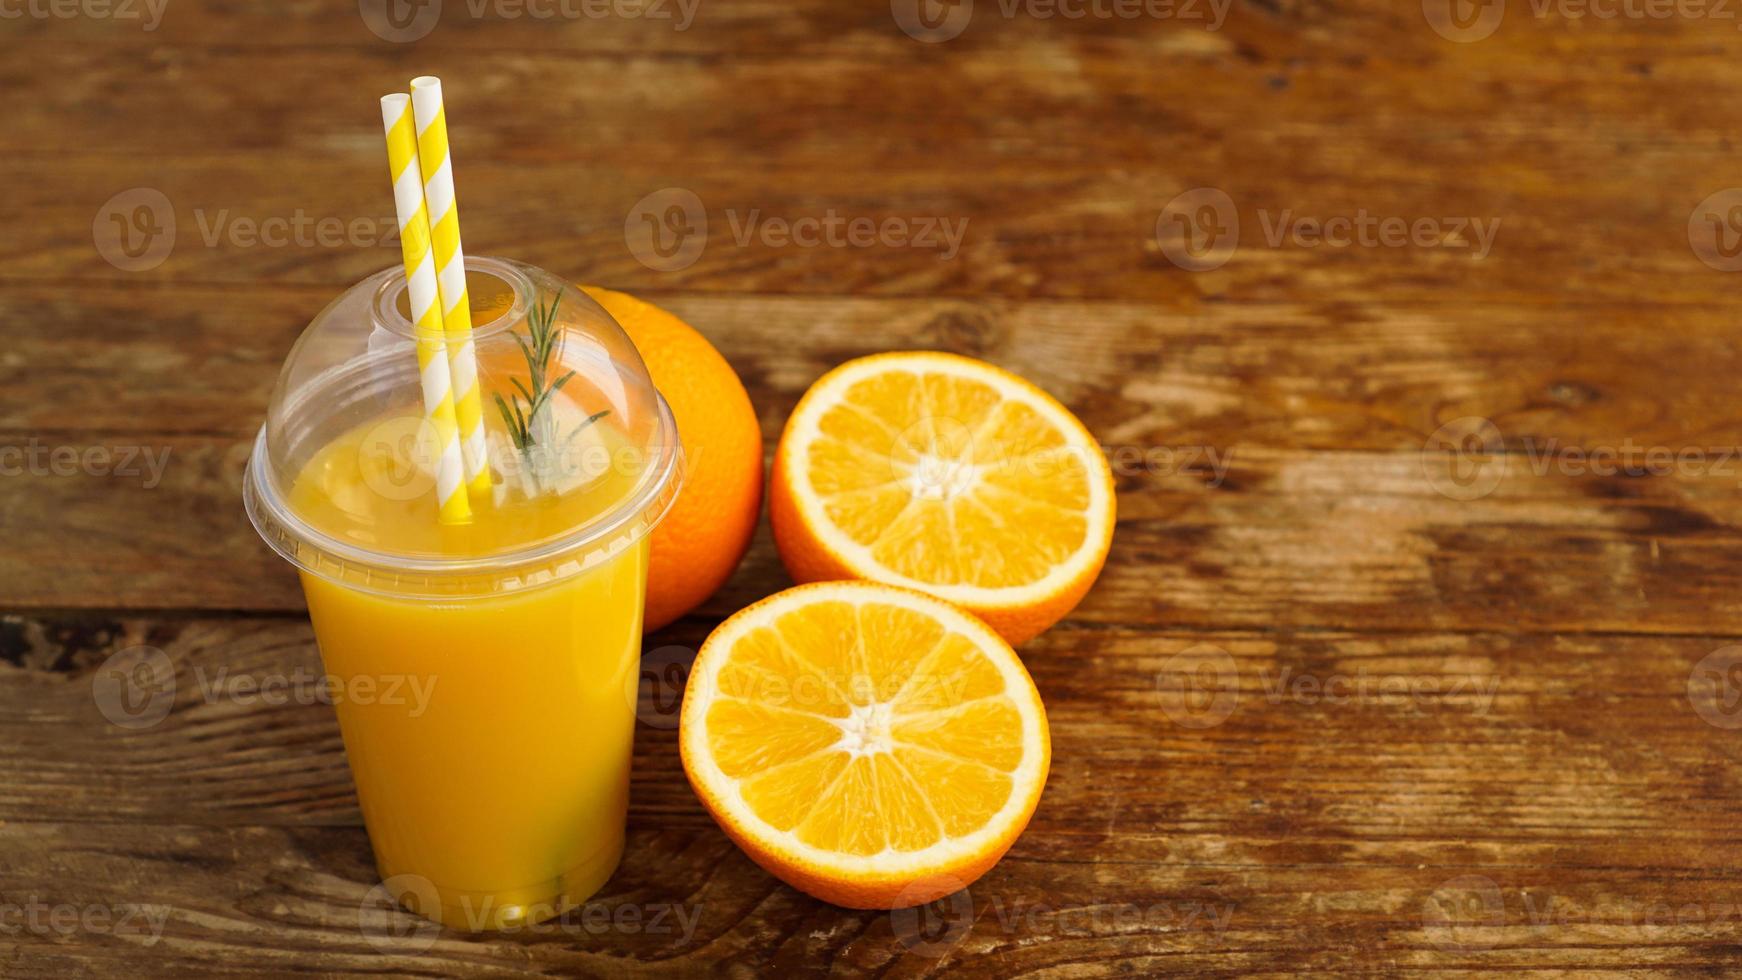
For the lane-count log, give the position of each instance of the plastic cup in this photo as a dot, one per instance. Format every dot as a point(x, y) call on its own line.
point(484, 675)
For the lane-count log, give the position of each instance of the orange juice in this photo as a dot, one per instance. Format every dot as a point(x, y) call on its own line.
point(484, 669)
point(489, 736)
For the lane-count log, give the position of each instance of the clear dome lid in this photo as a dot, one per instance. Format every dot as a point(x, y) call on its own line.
point(578, 457)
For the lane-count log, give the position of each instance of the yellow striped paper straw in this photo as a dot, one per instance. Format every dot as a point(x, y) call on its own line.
point(420, 281)
point(450, 261)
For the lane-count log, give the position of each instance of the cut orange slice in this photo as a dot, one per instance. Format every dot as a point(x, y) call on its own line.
point(871, 746)
point(948, 475)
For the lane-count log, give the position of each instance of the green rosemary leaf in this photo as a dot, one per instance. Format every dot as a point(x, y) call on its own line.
point(525, 351)
point(524, 439)
point(520, 412)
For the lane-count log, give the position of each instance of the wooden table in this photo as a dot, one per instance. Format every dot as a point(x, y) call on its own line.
point(1356, 692)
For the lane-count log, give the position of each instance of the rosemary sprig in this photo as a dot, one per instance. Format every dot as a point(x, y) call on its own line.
point(525, 411)
point(520, 412)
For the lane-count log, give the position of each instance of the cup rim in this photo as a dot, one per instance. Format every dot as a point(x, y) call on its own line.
point(394, 574)
point(388, 573)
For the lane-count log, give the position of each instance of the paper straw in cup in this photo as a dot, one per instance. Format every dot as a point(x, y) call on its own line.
point(421, 288)
point(450, 262)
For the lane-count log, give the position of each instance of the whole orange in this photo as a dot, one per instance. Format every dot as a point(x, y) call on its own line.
point(708, 529)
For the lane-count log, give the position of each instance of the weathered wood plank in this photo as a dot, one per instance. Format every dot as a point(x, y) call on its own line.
point(1455, 802)
point(1283, 538)
point(201, 360)
point(991, 230)
point(266, 901)
point(1353, 746)
point(1228, 515)
point(1066, 209)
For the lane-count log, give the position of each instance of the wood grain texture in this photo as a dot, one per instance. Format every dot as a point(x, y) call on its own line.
point(1057, 143)
point(1262, 480)
point(1237, 833)
point(1346, 699)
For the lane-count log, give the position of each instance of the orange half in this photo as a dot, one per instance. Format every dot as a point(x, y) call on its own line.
point(869, 745)
point(947, 475)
